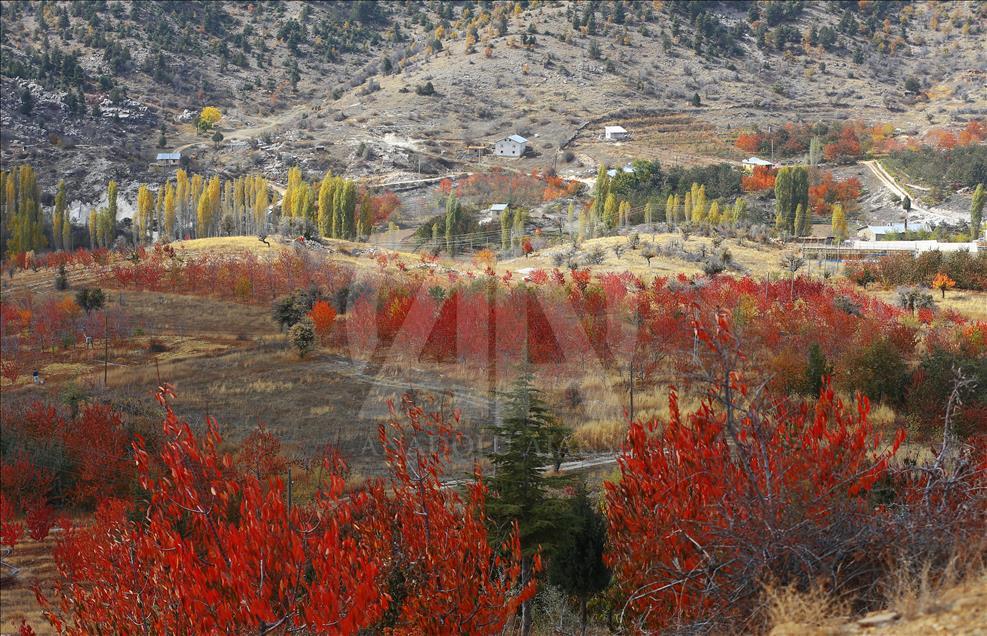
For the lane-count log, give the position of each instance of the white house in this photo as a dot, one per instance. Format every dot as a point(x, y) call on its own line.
point(878, 232)
point(513, 146)
point(752, 162)
point(169, 158)
point(615, 133)
point(492, 213)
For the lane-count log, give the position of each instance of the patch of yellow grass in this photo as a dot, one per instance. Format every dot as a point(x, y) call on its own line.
point(793, 612)
point(231, 243)
point(970, 304)
point(756, 258)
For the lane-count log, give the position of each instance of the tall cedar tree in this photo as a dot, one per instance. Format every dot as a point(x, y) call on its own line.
point(519, 489)
point(578, 567)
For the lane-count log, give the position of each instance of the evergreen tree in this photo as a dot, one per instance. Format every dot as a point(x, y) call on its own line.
point(577, 567)
point(519, 490)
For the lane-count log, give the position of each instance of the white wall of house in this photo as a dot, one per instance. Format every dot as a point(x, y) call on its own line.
point(509, 148)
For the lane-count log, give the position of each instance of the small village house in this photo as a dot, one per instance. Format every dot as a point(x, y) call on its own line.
point(615, 133)
point(513, 146)
point(753, 162)
point(168, 158)
point(879, 232)
point(492, 214)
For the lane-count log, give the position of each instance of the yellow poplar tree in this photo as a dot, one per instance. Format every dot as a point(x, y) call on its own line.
point(169, 211)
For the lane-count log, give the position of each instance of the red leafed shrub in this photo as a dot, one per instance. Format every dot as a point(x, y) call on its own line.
point(323, 317)
point(443, 549)
point(845, 148)
point(711, 504)
point(213, 549)
point(10, 530)
point(826, 191)
point(260, 454)
point(65, 461)
point(40, 519)
point(762, 178)
point(749, 142)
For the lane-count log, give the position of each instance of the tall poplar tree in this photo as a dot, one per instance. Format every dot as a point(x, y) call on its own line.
point(58, 216)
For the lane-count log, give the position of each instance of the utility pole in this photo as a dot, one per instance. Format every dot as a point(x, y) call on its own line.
point(289, 490)
point(106, 349)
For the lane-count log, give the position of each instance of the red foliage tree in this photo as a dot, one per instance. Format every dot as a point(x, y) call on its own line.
point(213, 549)
point(443, 549)
point(749, 142)
point(323, 317)
point(845, 148)
point(260, 454)
point(825, 191)
point(941, 138)
point(762, 178)
point(734, 492)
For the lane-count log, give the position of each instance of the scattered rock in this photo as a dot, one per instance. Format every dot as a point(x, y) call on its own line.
point(879, 619)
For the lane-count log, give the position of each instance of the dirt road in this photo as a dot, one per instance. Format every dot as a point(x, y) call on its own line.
point(917, 213)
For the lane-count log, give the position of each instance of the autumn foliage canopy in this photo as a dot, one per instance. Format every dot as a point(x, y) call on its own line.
point(710, 503)
point(215, 549)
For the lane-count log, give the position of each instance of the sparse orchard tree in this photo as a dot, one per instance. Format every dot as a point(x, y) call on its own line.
point(90, 299)
point(301, 335)
point(942, 282)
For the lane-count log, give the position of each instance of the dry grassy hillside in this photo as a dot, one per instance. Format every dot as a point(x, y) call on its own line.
point(308, 83)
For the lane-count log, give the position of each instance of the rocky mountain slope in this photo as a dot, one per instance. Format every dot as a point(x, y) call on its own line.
point(391, 90)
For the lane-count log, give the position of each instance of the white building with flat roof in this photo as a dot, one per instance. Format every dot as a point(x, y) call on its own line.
point(615, 133)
